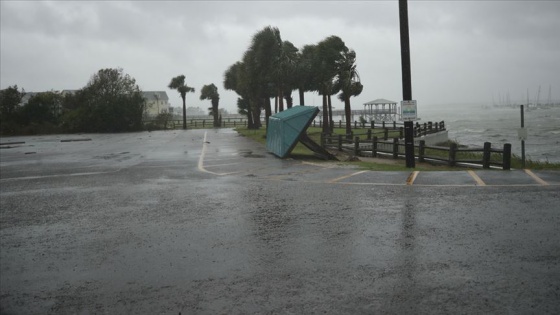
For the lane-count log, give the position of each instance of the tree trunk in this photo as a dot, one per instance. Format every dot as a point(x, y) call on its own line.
point(267, 110)
point(276, 104)
point(348, 114)
point(250, 124)
point(256, 116)
point(215, 113)
point(331, 124)
point(325, 115)
point(289, 100)
point(281, 100)
point(301, 97)
point(184, 112)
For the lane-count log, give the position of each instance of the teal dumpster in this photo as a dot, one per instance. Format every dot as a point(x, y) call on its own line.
point(288, 127)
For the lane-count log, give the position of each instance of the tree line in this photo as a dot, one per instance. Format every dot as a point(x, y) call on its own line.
point(110, 102)
point(272, 68)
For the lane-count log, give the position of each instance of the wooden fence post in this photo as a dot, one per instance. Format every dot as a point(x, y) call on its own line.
point(374, 147)
point(421, 150)
point(394, 124)
point(383, 124)
point(385, 134)
point(486, 155)
point(355, 124)
point(372, 124)
point(339, 142)
point(507, 157)
point(356, 146)
point(429, 125)
point(442, 125)
point(369, 134)
point(340, 124)
point(453, 154)
point(395, 148)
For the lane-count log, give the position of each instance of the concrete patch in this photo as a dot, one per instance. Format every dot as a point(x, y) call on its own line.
point(550, 177)
point(506, 178)
point(444, 179)
point(389, 178)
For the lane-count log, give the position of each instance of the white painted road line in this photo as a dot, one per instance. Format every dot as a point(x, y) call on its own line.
point(203, 154)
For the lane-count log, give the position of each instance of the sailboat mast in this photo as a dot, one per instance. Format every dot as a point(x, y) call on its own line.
point(538, 96)
point(549, 100)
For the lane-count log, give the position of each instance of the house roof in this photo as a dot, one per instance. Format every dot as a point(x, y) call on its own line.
point(27, 96)
point(155, 95)
point(380, 101)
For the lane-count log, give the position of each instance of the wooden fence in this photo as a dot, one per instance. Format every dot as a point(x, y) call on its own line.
point(452, 155)
point(200, 123)
point(386, 131)
point(419, 129)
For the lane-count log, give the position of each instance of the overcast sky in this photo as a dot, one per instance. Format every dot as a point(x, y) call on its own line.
point(462, 52)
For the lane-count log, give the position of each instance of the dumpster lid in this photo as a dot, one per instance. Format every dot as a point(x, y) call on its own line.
point(288, 127)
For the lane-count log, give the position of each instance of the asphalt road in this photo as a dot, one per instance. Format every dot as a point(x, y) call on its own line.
point(206, 221)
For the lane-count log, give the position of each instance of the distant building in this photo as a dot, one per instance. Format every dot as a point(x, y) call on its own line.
point(157, 102)
point(387, 112)
point(26, 97)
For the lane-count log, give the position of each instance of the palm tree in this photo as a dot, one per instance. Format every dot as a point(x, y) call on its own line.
point(286, 72)
point(210, 92)
point(326, 57)
point(178, 83)
point(262, 59)
point(303, 76)
point(235, 79)
point(348, 82)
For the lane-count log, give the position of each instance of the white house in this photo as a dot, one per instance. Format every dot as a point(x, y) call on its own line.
point(157, 102)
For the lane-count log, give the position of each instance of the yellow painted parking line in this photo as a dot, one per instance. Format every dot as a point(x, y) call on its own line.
point(410, 180)
point(536, 178)
point(477, 179)
point(345, 176)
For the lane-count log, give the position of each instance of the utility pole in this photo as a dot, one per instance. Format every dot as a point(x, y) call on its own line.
point(406, 82)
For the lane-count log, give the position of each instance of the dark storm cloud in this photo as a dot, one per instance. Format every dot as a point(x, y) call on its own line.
point(461, 50)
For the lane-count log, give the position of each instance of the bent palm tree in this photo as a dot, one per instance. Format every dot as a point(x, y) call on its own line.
point(348, 82)
point(210, 92)
point(178, 83)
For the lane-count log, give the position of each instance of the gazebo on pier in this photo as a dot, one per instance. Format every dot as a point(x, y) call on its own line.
point(387, 112)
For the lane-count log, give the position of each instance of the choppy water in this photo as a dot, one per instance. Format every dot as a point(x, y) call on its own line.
point(472, 126)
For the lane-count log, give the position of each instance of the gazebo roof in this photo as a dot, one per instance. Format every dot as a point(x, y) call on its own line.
point(380, 101)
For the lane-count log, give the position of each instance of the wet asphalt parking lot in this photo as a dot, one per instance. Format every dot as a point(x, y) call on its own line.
point(206, 221)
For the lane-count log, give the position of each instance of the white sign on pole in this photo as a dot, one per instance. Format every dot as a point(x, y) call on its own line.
point(409, 110)
point(522, 134)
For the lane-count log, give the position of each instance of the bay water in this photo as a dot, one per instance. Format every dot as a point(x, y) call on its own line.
point(474, 125)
